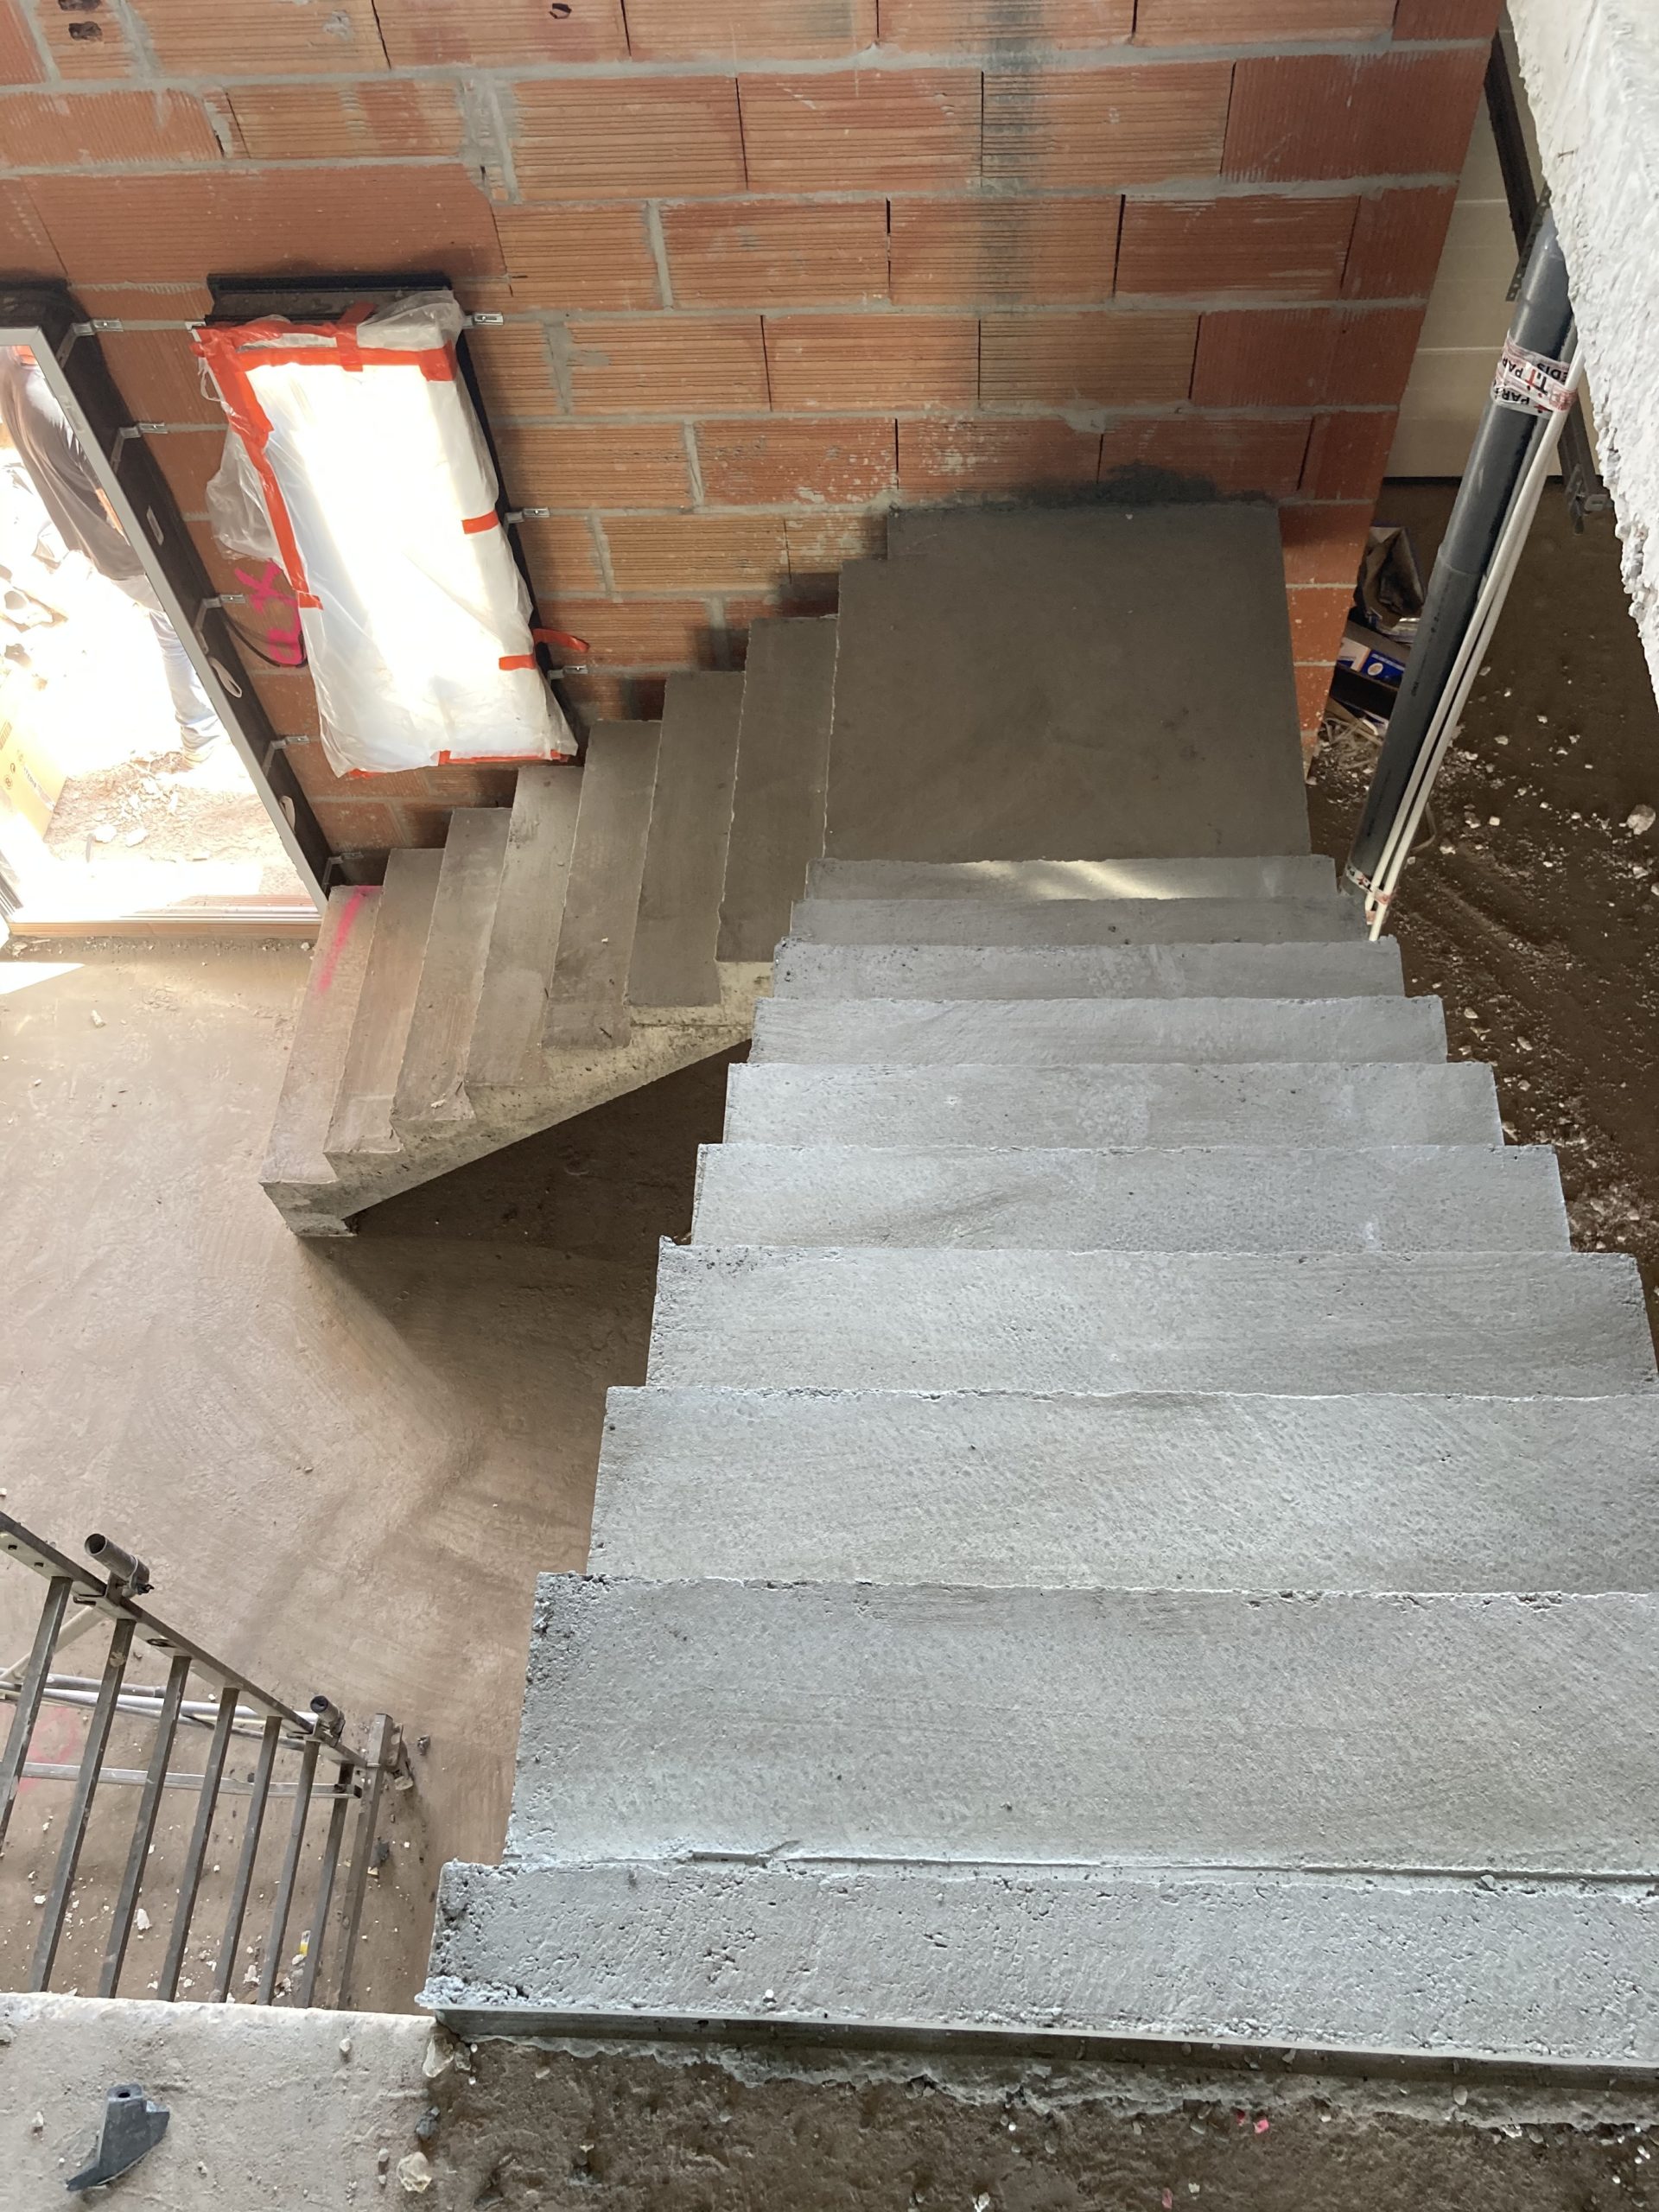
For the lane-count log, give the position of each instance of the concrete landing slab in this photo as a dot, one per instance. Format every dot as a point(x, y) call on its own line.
point(1195, 920)
point(1557, 1973)
point(1382, 1199)
point(1171, 1492)
point(1573, 1323)
point(1079, 971)
point(1294, 876)
point(1189, 1729)
point(1311, 1103)
point(1070, 684)
point(1075, 1033)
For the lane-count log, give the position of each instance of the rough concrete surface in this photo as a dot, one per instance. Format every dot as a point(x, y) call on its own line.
point(1253, 1492)
point(1312, 1103)
point(1339, 1962)
point(1591, 73)
point(267, 2108)
point(1072, 1032)
point(343, 1463)
point(1088, 919)
point(759, 1315)
point(1384, 1199)
point(1291, 875)
point(897, 970)
point(1203, 1729)
point(1034, 683)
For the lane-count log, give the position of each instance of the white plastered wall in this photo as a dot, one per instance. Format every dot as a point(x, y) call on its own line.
point(1591, 73)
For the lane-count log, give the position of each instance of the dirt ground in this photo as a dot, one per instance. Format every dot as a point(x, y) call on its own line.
point(1534, 910)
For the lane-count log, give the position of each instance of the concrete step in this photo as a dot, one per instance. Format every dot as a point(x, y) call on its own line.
point(1360, 1492)
point(1276, 1198)
point(1199, 920)
point(1559, 1974)
point(1077, 972)
point(1571, 1324)
point(677, 932)
point(586, 991)
point(1069, 684)
point(374, 1055)
point(1205, 1104)
point(1294, 876)
point(1076, 1032)
point(782, 761)
point(525, 928)
point(1189, 1729)
point(431, 1084)
point(298, 1175)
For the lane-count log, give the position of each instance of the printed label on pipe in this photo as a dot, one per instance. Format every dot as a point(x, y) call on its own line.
point(1531, 383)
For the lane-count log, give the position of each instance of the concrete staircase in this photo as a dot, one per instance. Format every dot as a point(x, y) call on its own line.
point(587, 942)
point(1138, 1525)
point(618, 922)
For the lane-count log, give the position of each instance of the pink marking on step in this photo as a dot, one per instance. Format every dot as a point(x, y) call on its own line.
point(348, 913)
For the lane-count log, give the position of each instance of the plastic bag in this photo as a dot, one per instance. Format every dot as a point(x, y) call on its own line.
point(359, 450)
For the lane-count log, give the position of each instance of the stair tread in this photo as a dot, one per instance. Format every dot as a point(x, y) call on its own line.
point(676, 935)
point(1411, 1733)
point(1340, 969)
point(778, 800)
point(587, 995)
point(1069, 1032)
point(1162, 1104)
point(1322, 919)
point(431, 1084)
point(1257, 876)
point(296, 1158)
point(1574, 1324)
point(362, 1115)
point(524, 928)
point(1405, 1198)
point(1171, 1490)
point(1557, 1973)
point(1037, 683)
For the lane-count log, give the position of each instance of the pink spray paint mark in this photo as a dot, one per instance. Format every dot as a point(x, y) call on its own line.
point(268, 591)
point(348, 914)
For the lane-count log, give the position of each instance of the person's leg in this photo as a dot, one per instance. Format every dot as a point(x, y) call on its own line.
point(200, 727)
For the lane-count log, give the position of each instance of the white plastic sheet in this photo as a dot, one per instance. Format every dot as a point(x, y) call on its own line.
point(355, 461)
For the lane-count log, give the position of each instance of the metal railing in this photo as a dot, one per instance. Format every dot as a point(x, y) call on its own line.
point(227, 1712)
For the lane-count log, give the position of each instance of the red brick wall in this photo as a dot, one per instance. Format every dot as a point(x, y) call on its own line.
point(769, 267)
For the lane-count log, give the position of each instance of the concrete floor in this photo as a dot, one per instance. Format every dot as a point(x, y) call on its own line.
point(344, 1463)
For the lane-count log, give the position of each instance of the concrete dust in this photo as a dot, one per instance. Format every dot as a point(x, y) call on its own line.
point(1533, 910)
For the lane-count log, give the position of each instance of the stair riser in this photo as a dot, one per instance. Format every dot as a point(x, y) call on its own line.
point(1560, 1976)
point(1083, 1727)
point(1198, 1492)
point(1077, 921)
point(1257, 971)
point(1415, 1198)
point(1297, 875)
point(1311, 1104)
point(1071, 1032)
point(948, 1320)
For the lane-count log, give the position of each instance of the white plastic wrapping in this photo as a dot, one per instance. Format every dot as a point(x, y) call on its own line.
point(356, 462)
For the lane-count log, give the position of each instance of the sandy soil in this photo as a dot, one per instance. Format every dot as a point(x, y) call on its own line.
point(1534, 910)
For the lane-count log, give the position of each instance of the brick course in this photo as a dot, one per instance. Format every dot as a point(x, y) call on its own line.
point(769, 267)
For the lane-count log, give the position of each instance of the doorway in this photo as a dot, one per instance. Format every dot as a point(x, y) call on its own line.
point(124, 799)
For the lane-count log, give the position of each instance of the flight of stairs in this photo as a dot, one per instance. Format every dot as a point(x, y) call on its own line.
point(614, 925)
point(1138, 1524)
